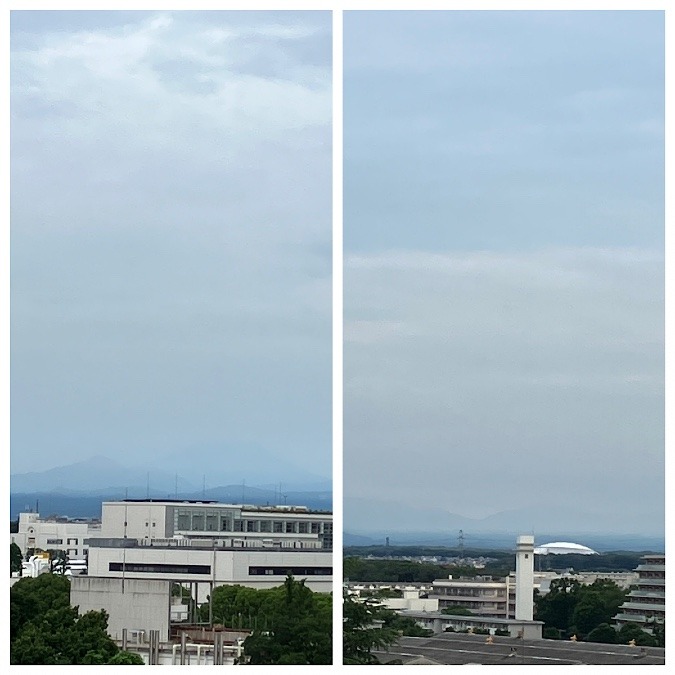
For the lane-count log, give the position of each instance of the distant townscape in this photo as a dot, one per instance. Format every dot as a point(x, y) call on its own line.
point(554, 603)
point(175, 581)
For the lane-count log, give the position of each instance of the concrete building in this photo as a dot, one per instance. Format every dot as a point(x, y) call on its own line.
point(58, 533)
point(481, 595)
point(646, 604)
point(441, 623)
point(147, 548)
point(294, 527)
point(524, 577)
point(396, 597)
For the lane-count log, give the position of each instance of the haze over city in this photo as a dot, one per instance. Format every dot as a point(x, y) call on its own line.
point(504, 271)
point(171, 241)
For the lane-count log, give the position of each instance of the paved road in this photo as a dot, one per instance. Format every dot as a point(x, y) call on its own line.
point(461, 648)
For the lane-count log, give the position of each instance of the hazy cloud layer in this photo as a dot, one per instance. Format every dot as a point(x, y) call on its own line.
point(474, 130)
point(504, 304)
point(171, 234)
point(485, 381)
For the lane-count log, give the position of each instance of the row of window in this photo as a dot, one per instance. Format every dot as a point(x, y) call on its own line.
point(164, 568)
point(168, 568)
point(199, 523)
point(59, 542)
point(471, 592)
point(295, 571)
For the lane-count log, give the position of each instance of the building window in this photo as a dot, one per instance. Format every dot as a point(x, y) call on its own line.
point(278, 526)
point(315, 528)
point(211, 521)
point(56, 542)
point(295, 571)
point(163, 568)
point(225, 524)
point(265, 526)
point(183, 521)
point(238, 525)
point(302, 528)
point(198, 521)
point(250, 526)
point(290, 527)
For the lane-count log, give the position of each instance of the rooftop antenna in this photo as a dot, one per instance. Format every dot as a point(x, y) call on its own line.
point(126, 493)
point(460, 543)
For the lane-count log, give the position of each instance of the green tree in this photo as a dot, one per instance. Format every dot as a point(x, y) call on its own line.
point(290, 624)
point(457, 610)
point(126, 659)
point(45, 629)
point(658, 631)
point(602, 633)
point(238, 606)
point(556, 608)
point(405, 625)
point(589, 612)
point(15, 558)
point(574, 608)
point(364, 630)
point(32, 598)
point(301, 628)
point(632, 631)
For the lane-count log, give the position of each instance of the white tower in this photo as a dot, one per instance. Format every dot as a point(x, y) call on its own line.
point(524, 577)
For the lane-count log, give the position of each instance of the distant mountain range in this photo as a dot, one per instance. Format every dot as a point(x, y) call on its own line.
point(169, 475)
point(77, 490)
point(377, 519)
point(501, 540)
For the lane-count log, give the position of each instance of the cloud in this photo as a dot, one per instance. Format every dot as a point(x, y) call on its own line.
point(484, 381)
point(171, 235)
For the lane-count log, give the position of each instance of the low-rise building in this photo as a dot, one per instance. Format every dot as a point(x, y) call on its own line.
point(58, 533)
point(439, 623)
point(149, 548)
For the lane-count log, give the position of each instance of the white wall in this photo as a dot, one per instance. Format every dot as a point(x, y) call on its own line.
point(141, 604)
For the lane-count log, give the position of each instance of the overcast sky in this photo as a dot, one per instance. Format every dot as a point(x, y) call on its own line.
point(170, 236)
point(504, 265)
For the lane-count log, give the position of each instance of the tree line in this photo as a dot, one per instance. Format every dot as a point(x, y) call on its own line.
point(585, 612)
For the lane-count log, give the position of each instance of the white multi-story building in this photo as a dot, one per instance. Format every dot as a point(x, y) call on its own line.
point(148, 547)
point(56, 533)
point(646, 603)
point(239, 525)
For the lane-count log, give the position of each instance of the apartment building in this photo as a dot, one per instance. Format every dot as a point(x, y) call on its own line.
point(646, 603)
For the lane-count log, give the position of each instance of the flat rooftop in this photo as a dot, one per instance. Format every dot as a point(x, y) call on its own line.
point(283, 508)
point(461, 648)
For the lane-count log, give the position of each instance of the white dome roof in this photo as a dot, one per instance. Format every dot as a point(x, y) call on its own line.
point(562, 548)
